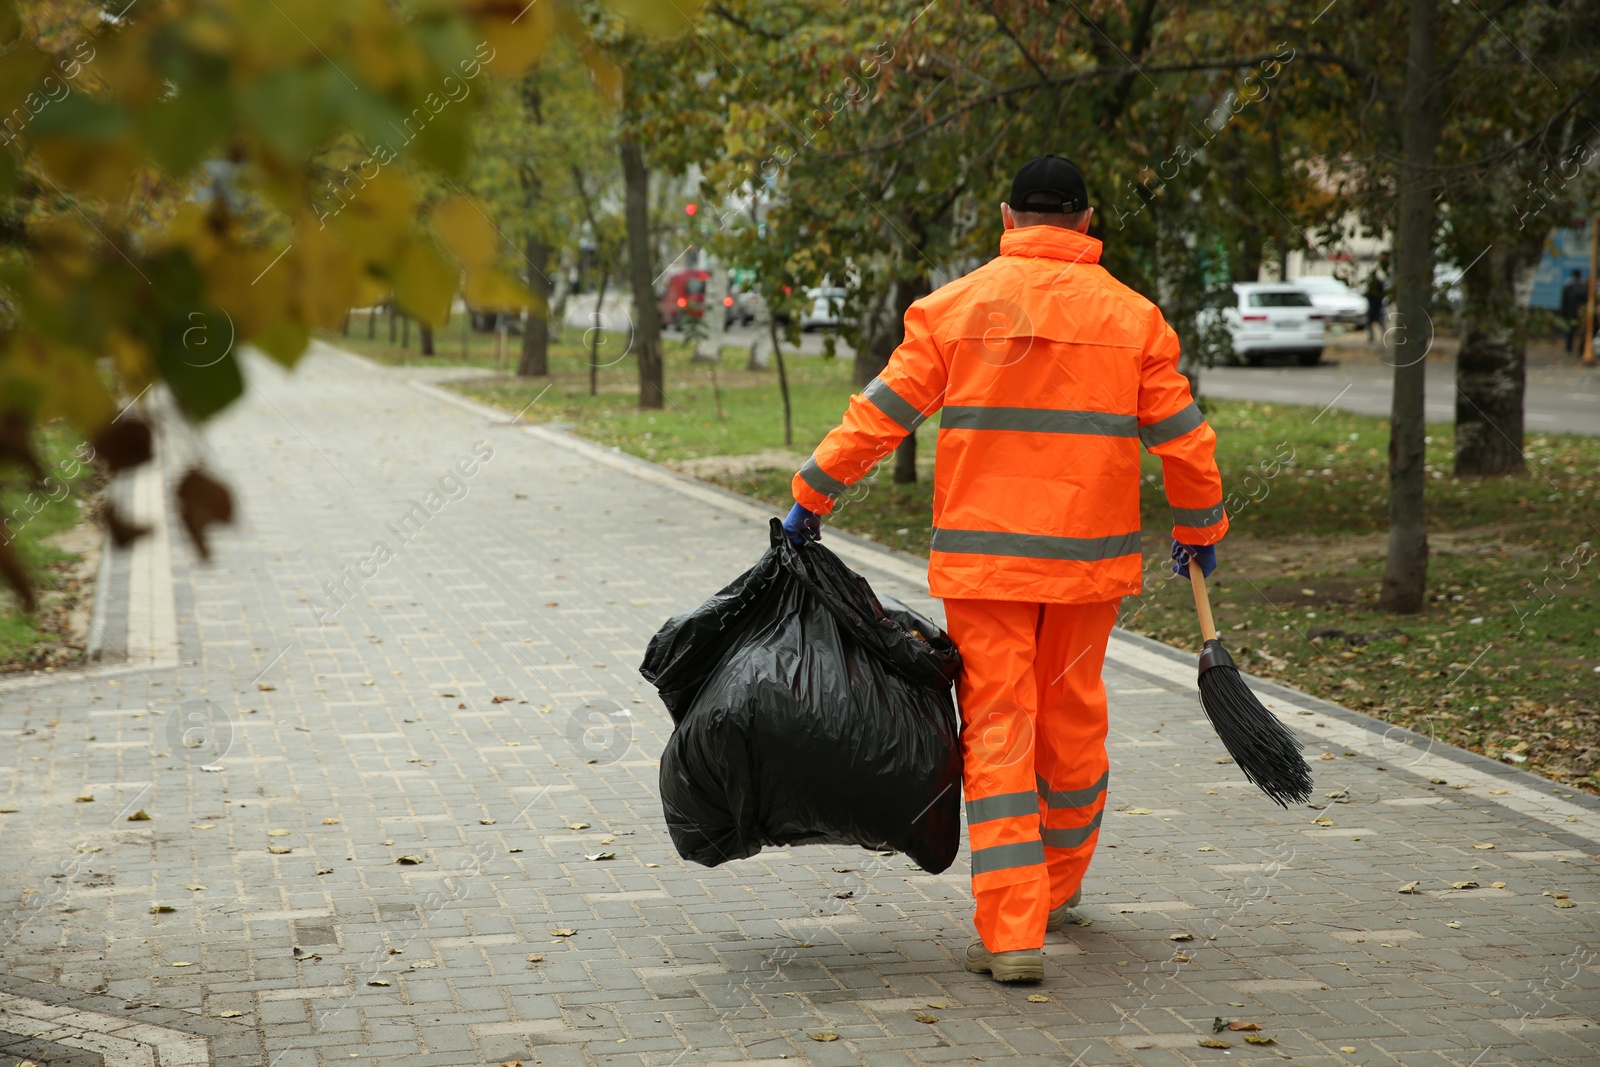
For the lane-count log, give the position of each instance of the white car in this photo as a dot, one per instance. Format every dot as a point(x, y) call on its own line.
point(1334, 298)
point(822, 309)
point(1269, 319)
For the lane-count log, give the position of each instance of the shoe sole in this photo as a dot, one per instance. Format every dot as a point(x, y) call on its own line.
point(1006, 970)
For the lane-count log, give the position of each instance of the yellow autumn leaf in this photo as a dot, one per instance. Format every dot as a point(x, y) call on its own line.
point(466, 231)
point(424, 282)
point(519, 39)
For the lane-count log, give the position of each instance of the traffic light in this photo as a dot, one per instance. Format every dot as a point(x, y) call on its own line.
point(690, 209)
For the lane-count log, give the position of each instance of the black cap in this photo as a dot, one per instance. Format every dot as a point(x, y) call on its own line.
point(1050, 185)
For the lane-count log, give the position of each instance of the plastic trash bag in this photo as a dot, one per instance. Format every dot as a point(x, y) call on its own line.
point(807, 711)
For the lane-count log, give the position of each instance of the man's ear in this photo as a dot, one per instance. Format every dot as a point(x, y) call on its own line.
point(1007, 219)
point(1083, 223)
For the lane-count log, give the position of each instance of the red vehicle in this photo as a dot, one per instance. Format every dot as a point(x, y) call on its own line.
point(685, 295)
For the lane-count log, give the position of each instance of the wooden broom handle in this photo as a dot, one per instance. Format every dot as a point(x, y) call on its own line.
point(1202, 602)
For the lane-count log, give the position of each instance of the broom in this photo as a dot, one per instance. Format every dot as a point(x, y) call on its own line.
point(1262, 746)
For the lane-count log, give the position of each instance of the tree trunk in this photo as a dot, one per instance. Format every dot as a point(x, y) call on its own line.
point(427, 339)
point(405, 331)
point(905, 460)
point(783, 382)
point(1491, 373)
point(535, 361)
point(392, 314)
point(372, 324)
point(641, 272)
point(595, 331)
point(1405, 573)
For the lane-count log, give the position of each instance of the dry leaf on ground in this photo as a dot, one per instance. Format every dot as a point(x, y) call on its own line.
point(1212, 1042)
point(1409, 887)
point(926, 1018)
point(825, 1035)
point(562, 931)
point(409, 861)
point(1036, 998)
point(139, 816)
point(1240, 1025)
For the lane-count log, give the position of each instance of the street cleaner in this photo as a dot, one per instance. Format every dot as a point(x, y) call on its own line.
point(1050, 373)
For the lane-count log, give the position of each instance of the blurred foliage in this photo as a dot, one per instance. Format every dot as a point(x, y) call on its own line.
point(179, 180)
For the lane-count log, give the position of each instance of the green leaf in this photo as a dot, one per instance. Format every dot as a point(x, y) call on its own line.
point(10, 22)
point(180, 130)
point(285, 341)
point(83, 117)
point(289, 108)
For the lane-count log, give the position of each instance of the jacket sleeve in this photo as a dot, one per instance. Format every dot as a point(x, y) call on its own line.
point(1171, 426)
point(894, 404)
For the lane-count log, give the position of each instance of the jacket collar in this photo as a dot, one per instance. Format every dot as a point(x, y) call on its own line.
point(1050, 242)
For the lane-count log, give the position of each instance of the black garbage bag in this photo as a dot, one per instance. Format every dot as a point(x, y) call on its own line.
point(807, 711)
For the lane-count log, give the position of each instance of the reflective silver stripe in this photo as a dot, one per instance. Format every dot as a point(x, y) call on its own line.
point(893, 405)
point(1172, 427)
point(1038, 420)
point(1005, 857)
point(1197, 516)
point(1072, 798)
point(1073, 836)
point(1034, 546)
point(821, 480)
point(1003, 806)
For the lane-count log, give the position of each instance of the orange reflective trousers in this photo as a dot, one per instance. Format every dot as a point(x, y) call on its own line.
point(1033, 709)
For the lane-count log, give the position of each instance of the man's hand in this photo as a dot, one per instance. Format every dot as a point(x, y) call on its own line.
point(803, 525)
point(1205, 555)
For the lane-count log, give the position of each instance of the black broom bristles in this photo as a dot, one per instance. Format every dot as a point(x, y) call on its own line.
point(1263, 747)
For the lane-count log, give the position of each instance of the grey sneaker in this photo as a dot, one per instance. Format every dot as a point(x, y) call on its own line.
point(1059, 916)
point(1024, 965)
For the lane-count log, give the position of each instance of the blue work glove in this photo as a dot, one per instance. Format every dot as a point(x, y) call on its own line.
point(1206, 555)
point(802, 526)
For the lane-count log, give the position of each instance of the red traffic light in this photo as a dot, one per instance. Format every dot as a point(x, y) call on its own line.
point(683, 302)
point(690, 209)
point(727, 301)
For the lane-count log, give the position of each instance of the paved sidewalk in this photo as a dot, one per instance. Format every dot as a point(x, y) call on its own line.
point(308, 741)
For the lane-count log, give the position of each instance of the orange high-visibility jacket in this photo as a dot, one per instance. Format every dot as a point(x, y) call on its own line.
point(1050, 373)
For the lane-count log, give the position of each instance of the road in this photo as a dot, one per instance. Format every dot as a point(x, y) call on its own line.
point(402, 809)
point(1559, 400)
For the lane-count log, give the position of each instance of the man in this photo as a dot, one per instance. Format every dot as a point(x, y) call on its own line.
point(1374, 306)
point(1574, 305)
point(1049, 373)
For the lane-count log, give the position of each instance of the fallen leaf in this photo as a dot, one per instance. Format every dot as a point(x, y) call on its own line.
point(1213, 1042)
point(1498, 792)
point(265, 687)
point(1439, 781)
point(85, 799)
point(1484, 845)
point(1327, 755)
point(1347, 1048)
point(229, 1014)
point(501, 700)
point(139, 816)
point(279, 832)
point(161, 909)
point(485, 822)
point(1140, 811)
point(510, 1063)
point(926, 1018)
point(562, 931)
point(330, 822)
point(601, 856)
point(378, 981)
point(279, 850)
point(195, 886)
point(88, 848)
point(652, 865)
point(607, 840)
point(1033, 998)
point(932, 1004)
point(826, 1035)
point(1453, 926)
point(845, 894)
point(182, 963)
point(577, 826)
point(1240, 1025)
point(1083, 920)
point(1181, 937)
point(205, 826)
point(1497, 885)
point(8, 811)
point(1325, 821)
point(1205, 848)
point(1183, 959)
point(409, 861)
point(1565, 904)
point(535, 958)
point(324, 870)
point(1409, 887)
point(1463, 885)
point(1257, 1039)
